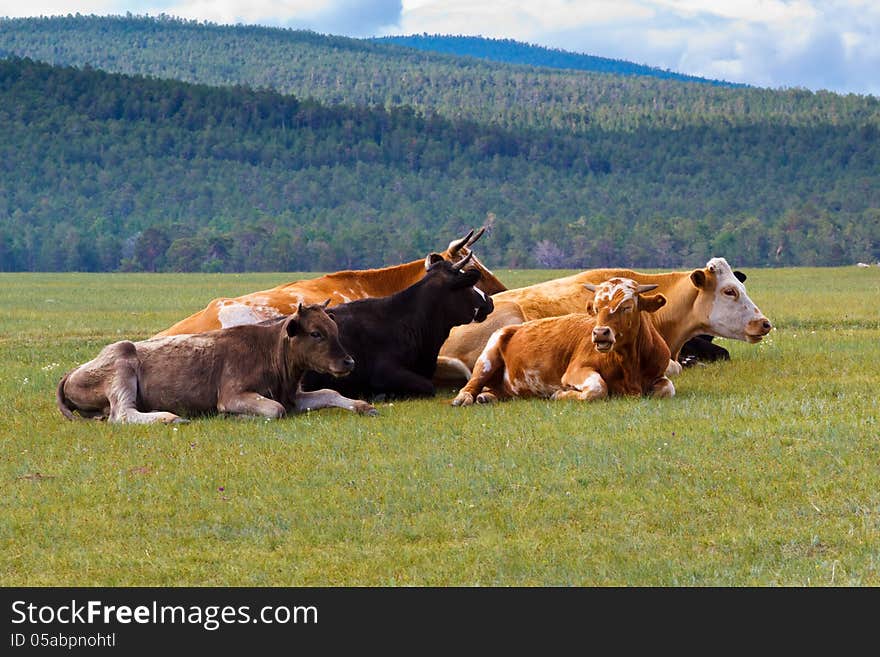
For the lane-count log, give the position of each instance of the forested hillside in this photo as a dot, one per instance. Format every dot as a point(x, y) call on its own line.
point(102, 171)
point(361, 72)
point(516, 52)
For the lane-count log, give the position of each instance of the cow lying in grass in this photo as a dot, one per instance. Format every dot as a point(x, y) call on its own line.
point(245, 370)
point(395, 339)
point(612, 349)
point(710, 301)
point(339, 287)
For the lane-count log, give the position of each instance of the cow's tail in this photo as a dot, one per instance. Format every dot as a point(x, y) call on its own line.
point(63, 401)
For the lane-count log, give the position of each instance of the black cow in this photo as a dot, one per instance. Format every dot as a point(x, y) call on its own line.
point(395, 339)
point(699, 349)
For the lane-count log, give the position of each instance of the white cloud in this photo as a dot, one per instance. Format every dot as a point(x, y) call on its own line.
point(809, 43)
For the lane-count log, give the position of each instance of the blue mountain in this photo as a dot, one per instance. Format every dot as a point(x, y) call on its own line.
point(517, 52)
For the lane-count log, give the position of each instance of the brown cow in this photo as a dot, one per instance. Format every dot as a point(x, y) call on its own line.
point(711, 300)
point(247, 370)
point(612, 349)
point(340, 287)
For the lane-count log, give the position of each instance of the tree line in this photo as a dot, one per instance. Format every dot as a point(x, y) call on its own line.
point(106, 172)
point(339, 70)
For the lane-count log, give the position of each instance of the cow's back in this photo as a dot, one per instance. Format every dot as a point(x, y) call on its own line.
point(185, 373)
point(179, 373)
point(540, 350)
point(339, 287)
point(562, 296)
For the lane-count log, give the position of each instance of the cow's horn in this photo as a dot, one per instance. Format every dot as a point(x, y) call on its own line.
point(477, 236)
point(457, 246)
point(461, 263)
point(590, 287)
point(647, 288)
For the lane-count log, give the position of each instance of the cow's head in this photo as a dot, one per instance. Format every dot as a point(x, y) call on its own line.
point(461, 248)
point(616, 306)
point(724, 305)
point(312, 341)
point(455, 285)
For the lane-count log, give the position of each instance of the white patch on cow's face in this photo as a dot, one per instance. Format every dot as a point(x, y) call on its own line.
point(607, 291)
point(237, 314)
point(593, 383)
point(732, 309)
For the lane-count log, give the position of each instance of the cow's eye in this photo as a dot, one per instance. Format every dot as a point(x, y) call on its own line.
point(730, 292)
point(315, 335)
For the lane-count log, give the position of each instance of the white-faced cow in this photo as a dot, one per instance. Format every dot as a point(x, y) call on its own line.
point(395, 339)
point(612, 349)
point(703, 301)
point(339, 287)
point(245, 370)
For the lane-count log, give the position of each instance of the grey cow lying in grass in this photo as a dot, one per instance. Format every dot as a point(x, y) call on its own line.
point(248, 370)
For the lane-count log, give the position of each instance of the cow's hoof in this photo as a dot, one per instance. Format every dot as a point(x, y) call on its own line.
point(366, 409)
point(463, 399)
point(673, 368)
point(486, 398)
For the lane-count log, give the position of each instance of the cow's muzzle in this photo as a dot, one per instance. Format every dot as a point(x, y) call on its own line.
point(603, 339)
point(343, 367)
point(757, 329)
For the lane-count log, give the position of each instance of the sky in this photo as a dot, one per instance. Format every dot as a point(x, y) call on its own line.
point(811, 44)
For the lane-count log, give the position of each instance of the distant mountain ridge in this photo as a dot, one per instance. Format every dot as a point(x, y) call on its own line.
point(102, 171)
point(334, 70)
point(516, 52)
point(159, 143)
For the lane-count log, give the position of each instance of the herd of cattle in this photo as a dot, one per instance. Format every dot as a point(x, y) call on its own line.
point(348, 337)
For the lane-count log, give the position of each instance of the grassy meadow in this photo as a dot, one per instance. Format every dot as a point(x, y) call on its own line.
point(761, 471)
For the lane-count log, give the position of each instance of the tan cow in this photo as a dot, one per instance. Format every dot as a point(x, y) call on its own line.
point(612, 349)
point(250, 370)
point(703, 301)
point(340, 287)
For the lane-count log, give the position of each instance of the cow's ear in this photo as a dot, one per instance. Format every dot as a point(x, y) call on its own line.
point(432, 259)
point(291, 325)
point(652, 304)
point(591, 309)
point(740, 276)
point(698, 278)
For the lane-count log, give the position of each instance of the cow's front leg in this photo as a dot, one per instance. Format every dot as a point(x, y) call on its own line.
point(250, 403)
point(325, 398)
point(395, 380)
point(674, 368)
point(583, 383)
point(662, 387)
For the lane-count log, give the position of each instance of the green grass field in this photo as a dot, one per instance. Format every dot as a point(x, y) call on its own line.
point(761, 471)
